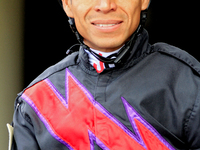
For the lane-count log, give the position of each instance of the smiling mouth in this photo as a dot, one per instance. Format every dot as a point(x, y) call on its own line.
point(106, 25)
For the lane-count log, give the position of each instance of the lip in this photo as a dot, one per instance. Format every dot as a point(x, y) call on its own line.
point(106, 25)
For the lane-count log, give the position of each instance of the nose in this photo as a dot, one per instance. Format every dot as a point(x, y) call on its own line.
point(105, 6)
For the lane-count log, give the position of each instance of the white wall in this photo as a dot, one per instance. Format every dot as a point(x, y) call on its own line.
point(11, 47)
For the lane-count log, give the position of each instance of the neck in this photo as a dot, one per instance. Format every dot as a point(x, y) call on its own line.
point(98, 65)
point(105, 54)
point(102, 49)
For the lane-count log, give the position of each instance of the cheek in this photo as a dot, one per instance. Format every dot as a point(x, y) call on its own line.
point(80, 17)
point(82, 27)
point(80, 8)
point(134, 19)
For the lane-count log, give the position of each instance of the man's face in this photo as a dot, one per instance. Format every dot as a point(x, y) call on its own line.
point(105, 25)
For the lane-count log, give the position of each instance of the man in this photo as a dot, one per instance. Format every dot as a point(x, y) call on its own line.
point(116, 92)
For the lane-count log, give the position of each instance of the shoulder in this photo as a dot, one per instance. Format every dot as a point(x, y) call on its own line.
point(180, 72)
point(68, 61)
point(182, 56)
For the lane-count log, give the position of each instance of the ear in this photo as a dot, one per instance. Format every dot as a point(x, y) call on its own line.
point(145, 4)
point(67, 8)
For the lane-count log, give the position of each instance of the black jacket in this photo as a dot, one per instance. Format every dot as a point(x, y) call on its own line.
point(150, 102)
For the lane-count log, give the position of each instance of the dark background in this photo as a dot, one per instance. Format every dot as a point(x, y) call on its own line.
point(48, 36)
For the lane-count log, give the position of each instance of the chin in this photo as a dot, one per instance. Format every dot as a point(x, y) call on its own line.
point(109, 43)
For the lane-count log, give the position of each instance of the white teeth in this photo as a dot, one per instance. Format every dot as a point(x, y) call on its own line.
point(105, 25)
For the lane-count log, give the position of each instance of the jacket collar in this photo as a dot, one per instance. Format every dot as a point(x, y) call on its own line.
point(140, 48)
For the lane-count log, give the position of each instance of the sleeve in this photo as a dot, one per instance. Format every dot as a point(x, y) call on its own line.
point(24, 137)
point(192, 126)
